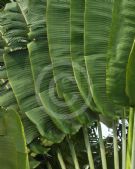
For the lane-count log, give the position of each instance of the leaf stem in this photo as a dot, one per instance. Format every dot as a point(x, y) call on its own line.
point(123, 142)
point(73, 153)
point(130, 139)
point(49, 166)
point(115, 143)
point(60, 158)
point(88, 148)
point(102, 147)
point(133, 147)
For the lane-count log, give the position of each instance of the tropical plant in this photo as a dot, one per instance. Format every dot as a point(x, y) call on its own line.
point(64, 66)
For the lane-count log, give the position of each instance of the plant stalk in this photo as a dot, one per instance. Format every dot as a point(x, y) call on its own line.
point(49, 166)
point(133, 147)
point(115, 143)
point(123, 143)
point(88, 148)
point(102, 147)
point(73, 153)
point(61, 161)
point(130, 139)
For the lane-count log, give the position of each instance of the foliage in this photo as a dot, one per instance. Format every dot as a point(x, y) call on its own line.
point(65, 65)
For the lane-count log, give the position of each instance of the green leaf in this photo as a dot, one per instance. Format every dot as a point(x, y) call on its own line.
point(122, 37)
point(34, 164)
point(40, 62)
point(77, 9)
point(130, 77)
point(7, 98)
point(39, 59)
point(13, 154)
point(59, 48)
point(59, 41)
point(98, 15)
point(30, 129)
point(18, 66)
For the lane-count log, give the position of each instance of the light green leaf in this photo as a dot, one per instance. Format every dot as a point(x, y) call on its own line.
point(96, 44)
point(77, 9)
point(122, 37)
point(13, 154)
point(59, 48)
point(130, 77)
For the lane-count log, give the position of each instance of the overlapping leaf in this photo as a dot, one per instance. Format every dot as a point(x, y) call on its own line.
point(59, 48)
point(122, 37)
point(98, 17)
point(77, 9)
point(18, 67)
point(7, 98)
point(40, 62)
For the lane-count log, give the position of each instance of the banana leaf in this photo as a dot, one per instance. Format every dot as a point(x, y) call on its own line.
point(40, 60)
point(7, 98)
point(96, 44)
point(130, 77)
point(13, 154)
point(58, 33)
point(77, 9)
point(16, 58)
point(121, 40)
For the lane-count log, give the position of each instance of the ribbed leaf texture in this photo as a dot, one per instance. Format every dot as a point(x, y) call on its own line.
point(96, 44)
point(16, 58)
point(121, 40)
point(77, 9)
point(63, 64)
point(29, 66)
point(59, 48)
